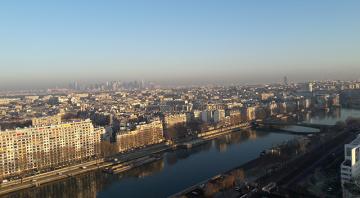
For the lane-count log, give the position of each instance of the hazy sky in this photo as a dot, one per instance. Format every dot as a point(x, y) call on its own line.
point(51, 42)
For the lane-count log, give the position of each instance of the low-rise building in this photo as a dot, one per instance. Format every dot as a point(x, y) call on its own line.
point(143, 135)
point(171, 120)
point(46, 121)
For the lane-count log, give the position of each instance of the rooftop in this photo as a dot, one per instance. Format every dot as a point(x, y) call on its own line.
point(356, 141)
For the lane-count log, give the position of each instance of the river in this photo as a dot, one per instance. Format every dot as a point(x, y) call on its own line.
point(177, 169)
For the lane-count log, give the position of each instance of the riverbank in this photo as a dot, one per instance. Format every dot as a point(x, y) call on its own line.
point(283, 171)
point(262, 169)
point(249, 172)
point(69, 172)
point(37, 180)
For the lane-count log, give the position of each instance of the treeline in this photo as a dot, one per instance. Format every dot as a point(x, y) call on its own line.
point(350, 124)
point(353, 124)
point(15, 124)
point(192, 128)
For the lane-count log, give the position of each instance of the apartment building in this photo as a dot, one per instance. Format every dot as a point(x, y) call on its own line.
point(249, 113)
point(46, 121)
point(41, 147)
point(219, 115)
point(350, 167)
point(171, 120)
point(143, 135)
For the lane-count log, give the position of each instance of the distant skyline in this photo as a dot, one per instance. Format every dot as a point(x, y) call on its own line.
point(48, 43)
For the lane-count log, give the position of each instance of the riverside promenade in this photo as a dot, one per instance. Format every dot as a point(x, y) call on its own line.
point(72, 171)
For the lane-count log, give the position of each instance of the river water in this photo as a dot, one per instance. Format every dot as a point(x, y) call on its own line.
point(178, 169)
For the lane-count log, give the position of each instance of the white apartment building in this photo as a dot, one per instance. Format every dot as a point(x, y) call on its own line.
point(219, 115)
point(41, 147)
point(207, 116)
point(350, 168)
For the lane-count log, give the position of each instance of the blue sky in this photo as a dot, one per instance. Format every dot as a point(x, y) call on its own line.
point(184, 41)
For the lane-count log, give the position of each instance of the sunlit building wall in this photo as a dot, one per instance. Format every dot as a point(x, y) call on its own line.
point(40, 147)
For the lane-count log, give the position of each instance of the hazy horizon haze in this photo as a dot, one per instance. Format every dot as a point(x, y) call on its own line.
point(47, 43)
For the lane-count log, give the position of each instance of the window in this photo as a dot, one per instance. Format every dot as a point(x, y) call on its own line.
point(348, 152)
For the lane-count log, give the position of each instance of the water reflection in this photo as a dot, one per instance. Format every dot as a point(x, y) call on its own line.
point(144, 171)
point(223, 142)
point(82, 186)
point(332, 116)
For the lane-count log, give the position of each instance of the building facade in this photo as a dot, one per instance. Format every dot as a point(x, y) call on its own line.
point(207, 116)
point(42, 147)
point(350, 167)
point(46, 121)
point(171, 120)
point(249, 113)
point(143, 135)
point(219, 115)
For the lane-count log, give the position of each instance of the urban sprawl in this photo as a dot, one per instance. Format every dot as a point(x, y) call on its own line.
point(42, 131)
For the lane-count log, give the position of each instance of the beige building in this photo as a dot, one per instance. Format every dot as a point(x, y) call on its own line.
point(250, 113)
point(266, 96)
point(143, 135)
point(46, 121)
point(40, 147)
point(6, 101)
point(171, 120)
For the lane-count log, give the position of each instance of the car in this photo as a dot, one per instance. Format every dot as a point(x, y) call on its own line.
point(269, 188)
point(255, 190)
point(195, 193)
point(5, 181)
point(83, 167)
point(60, 173)
point(202, 186)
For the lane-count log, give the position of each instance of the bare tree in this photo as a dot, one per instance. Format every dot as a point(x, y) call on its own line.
point(210, 190)
point(239, 174)
point(21, 164)
point(228, 182)
point(107, 149)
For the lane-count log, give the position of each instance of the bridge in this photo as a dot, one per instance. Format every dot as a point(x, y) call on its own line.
point(303, 124)
point(274, 124)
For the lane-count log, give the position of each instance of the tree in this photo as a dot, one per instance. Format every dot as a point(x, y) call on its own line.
point(210, 189)
point(352, 124)
point(239, 175)
point(107, 149)
point(1, 173)
point(228, 182)
point(176, 131)
point(21, 164)
point(340, 125)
